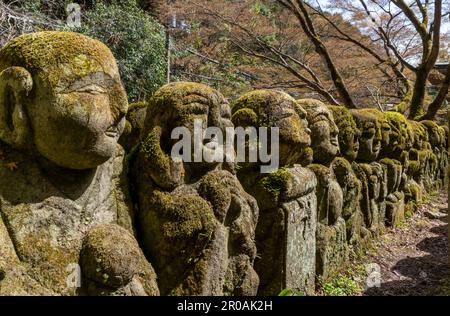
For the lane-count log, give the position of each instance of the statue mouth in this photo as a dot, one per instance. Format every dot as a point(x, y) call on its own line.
point(112, 131)
point(377, 147)
point(334, 141)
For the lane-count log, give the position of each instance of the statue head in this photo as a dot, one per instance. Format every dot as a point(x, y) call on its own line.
point(371, 134)
point(402, 136)
point(386, 130)
point(61, 96)
point(324, 132)
point(348, 132)
point(270, 108)
point(420, 135)
point(446, 132)
point(433, 133)
point(181, 105)
point(443, 132)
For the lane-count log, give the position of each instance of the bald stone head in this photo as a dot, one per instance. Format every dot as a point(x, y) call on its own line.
point(348, 132)
point(371, 134)
point(324, 131)
point(61, 95)
point(270, 108)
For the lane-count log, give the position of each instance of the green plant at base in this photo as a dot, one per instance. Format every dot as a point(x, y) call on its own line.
point(291, 292)
point(341, 286)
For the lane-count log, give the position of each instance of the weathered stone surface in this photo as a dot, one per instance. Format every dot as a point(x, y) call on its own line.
point(331, 241)
point(269, 108)
point(209, 228)
point(64, 82)
point(285, 234)
point(133, 126)
point(351, 210)
point(371, 134)
point(349, 133)
point(60, 132)
point(197, 222)
point(324, 132)
point(113, 263)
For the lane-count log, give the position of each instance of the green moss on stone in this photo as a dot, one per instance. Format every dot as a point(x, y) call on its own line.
point(275, 183)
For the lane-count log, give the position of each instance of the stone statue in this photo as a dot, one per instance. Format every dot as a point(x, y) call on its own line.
point(348, 181)
point(331, 237)
point(375, 136)
point(324, 140)
point(133, 125)
point(62, 109)
point(437, 141)
point(371, 134)
point(285, 234)
point(196, 221)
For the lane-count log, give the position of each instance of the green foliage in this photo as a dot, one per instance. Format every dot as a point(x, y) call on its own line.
point(137, 41)
point(341, 286)
point(275, 182)
point(443, 289)
point(260, 8)
point(291, 292)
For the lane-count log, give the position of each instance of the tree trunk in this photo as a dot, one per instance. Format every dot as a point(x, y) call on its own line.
point(440, 98)
point(307, 26)
point(418, 96)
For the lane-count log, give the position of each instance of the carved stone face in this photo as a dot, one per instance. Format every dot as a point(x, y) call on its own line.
point(420, 135)
point(191, 106)
point(324, 132)
point(371, 134)
point(385, 129)
point(268, 108)
point(349, 134)
point(433, 133)
point(402, 133)
point(77, 105)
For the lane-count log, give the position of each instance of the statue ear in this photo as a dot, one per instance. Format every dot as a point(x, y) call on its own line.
point(166, 172)
point(15, 85)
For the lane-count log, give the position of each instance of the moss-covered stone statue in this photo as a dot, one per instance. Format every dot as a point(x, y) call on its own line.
point(350, 184)
point(439, 159)
point(285, 234)
point(331, 237)
point(375, 135)
point(370, 126)
point(423, 162)
point(62, 110)
point(196, 221)
point(133, 125)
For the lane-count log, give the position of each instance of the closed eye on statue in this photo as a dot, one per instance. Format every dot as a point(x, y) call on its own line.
point(94, 83)
point(195, 108)
point(92, 89)
point(369, 133)
point(319, 118)
point(286, 114)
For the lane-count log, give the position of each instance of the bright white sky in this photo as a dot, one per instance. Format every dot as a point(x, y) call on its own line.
point(445, 23)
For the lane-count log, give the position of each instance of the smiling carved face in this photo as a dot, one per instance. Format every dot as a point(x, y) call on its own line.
point(324, 131)
point(276, 109)
point(371, 134)
point(77, 106)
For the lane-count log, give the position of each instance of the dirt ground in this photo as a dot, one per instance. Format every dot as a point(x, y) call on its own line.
point(414, 258)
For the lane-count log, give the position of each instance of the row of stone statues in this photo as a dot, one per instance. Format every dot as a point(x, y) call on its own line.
point(82, 216)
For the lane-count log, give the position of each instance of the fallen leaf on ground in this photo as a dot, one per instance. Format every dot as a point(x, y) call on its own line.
point(12, 166)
